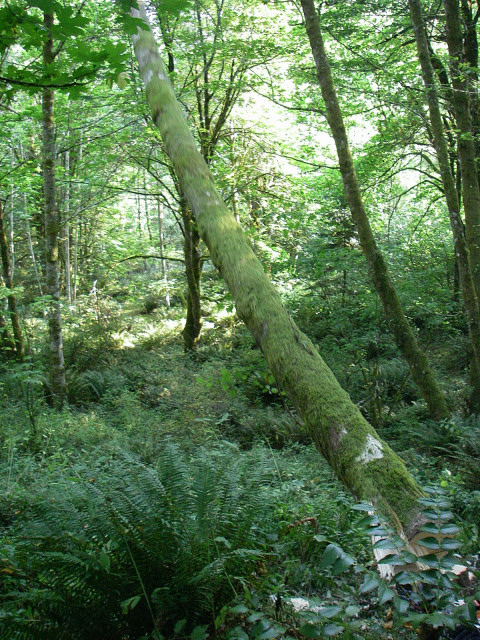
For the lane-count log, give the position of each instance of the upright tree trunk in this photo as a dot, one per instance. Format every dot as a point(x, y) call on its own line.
point(361, 460)
point(51, 226)
point(66, 230)
point(451, 194)
point(465, 139)
point(193, 271)
point(420, 369)
point(7, 345)
point(161, 241)
point(11, 298)
point(31, 250)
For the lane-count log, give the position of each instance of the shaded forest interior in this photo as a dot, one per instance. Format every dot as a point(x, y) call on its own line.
point(239, 320)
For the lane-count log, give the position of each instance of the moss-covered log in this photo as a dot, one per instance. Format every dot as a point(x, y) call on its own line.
point(367, 466)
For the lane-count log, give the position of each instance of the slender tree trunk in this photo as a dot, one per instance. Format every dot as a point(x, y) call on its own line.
point(193, 271)
point(11, 236)
point(161, 242)
point(11, 298)
point(450, 189)
point(370, 469)
point(7, 345)
point(51, 226)
point(75, 262)
point(465, 139)
point(66, 230)
point(420, 369)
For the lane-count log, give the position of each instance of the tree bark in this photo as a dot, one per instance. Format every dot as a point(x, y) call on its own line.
point(193, 271)
point(66, 229)
point(370, 469)
point(465, 139)
point(161, 242)
point(451, 195)
point(52, 226)
point(11, 298)
point(420, 369)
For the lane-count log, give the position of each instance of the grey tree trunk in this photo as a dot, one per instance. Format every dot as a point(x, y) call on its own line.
point(370, 469)
point(420, 369)
point(52, 226)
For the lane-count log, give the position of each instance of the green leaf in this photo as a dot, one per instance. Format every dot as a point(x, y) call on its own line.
point(104, 560)
point(438, 619)
point(352, 610)
point(319, 538)
point(44, 5)
point(386, 543)
point(429, 543)
point(330, 612)
point(175, 7)
point(309, 630)
point(369, 584)
point(239, 608)
point(237, 633)
point(362, 506)
point(330, 630)
point(130, 603)
point(392, 559)
point(437, 515)
point(368, 521)
point(180, 625)
point(385, 594)
point(416, 619)
point(200, 632)
point(329, 556)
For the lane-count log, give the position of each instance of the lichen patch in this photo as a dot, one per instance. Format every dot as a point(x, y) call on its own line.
point(373, 450)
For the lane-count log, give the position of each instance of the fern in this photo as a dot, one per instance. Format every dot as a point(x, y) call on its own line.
point(169, 542)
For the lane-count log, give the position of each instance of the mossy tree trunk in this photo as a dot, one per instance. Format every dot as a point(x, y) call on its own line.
point(420, 369)
point(19, 348)
point(367, 466)
point(450, 190)
point(52, 225)
point(466, 144)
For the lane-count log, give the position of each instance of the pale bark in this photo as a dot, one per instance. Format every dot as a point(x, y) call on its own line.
point(370, 469)
point(451, 195)
point(420, 369)
point(52, 227)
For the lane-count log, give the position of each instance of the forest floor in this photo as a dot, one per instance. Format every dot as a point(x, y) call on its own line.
point(180, 493)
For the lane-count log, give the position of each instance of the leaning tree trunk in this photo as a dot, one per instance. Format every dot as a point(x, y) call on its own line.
point(52, 226)
point(368, 466)
point(449, 187)
point(11, 298)
point(465, 139)
point(420, 369)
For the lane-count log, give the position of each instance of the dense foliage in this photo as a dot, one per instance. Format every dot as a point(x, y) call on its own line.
point(171, 490)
